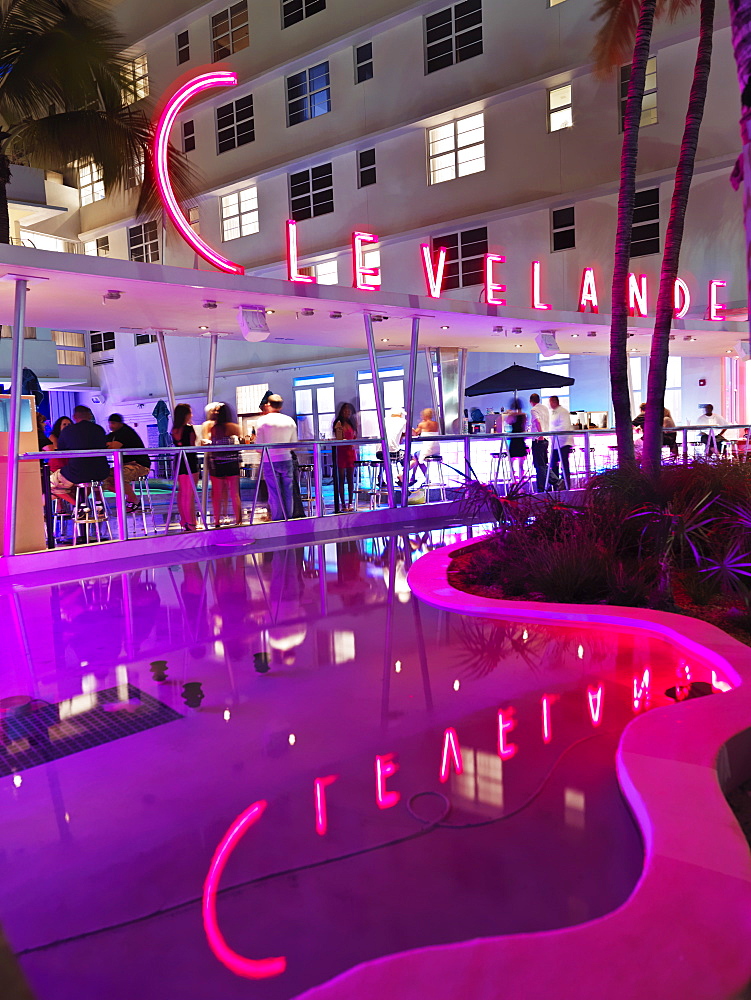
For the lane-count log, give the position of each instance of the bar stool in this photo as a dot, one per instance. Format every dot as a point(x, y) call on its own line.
point(61, 512)
point(306, 480)
point(373, 468)
point(90, 509)
point(500, 467)
point(142, 490)
point(434, 462)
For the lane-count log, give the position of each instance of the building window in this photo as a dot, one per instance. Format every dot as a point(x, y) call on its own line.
point(235, 124)
point(453, 35)
point(189, 136)
point(143, 242)
point(326, 272)
point(363, 62)
point(456, 149)
point(135, 172)
point(182, 40)
point(145, 338)
point(194, 219)
point(561, 367)
point(308, 94)
point(560, 112)
point(649, 102)
point(392, 389)
point(99, 247)
point(102, 341)
point(136, 75)
point(465, 257)
point(90, 183)
point(77, 344)
point(315, 406)
point(645, 231)
point(366, 168)
point(563, 229)
point(240, 213)
point(311, 192)
point(554, 3)
point(229, 30)
point(296, 10)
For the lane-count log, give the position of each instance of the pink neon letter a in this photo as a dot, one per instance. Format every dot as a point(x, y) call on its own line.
point(451, 746)
point(433, 277)
point(595, 704)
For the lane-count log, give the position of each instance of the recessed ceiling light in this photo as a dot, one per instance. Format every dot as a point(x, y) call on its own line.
point(728, 352)
point(203, 328)
point(632, 349)
point(384, 340)
point(574, 334)
point(518, 345)
point(270, 312)
point(444, 328)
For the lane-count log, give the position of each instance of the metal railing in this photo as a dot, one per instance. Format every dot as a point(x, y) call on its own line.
point(483, 457)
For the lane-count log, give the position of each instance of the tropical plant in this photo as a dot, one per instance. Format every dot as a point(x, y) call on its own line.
point(66, 97)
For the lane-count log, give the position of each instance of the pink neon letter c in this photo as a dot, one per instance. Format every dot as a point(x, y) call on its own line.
point(161, 166)
point(249, 968)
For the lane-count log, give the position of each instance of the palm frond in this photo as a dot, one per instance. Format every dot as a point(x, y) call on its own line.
point(614, 42)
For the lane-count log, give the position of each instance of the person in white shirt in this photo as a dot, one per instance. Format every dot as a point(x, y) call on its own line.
point(563, 444)
point(539, 423)
point(711, 419)
point(276, 427)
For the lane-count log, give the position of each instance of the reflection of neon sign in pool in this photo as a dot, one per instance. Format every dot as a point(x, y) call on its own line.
point(386, 766)
point(161, 166)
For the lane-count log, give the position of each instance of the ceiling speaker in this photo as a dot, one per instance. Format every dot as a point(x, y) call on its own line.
point(252, 321)
point(547, 343)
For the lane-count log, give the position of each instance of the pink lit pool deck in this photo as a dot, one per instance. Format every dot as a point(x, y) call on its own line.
point(139, 723)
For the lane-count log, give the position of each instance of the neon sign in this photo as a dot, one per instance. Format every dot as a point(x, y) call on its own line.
point(161, 165)
point(367, 279)
point(293, 268)
point(433, 277)
point(588, 291)
point(492, 288)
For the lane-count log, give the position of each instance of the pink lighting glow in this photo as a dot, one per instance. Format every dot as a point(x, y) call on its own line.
point(637, 295)
point(451, 746)
point(492, 288)
point(365, 278)
point(385, 766)
point(545, 703)
point(249, 968)
point(641, 690)
point(594, 699)
point(161, 165)
point(681, 298)
point(588, 291)
point(433, 275)
point(506, 723)
point(716, 309)
point(537, 302)
point(293, 268)
point(320, 785)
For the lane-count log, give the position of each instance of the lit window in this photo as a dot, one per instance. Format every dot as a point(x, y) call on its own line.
point(465, 257)
point(240, 213)
point(99, 247)
point(136, 75)
point(560, 113)
point(182, 40)
point(315, 406)
point(135, 172)
point(363, 62)
point(366, 168)
point(453, 35)
point(563, 229)
point(90, 183)
point(143, 242)
point(457, 148)
point(645, 230)
point(194, 219)
point(311, 192)
point(554, 3)
point(308, 94)
point(248, 397)
point(189, 136)
point(229, 30)
point(69, 338)
point(235, 124)
point(649, 101)
point(296, 10)
point(326, 272)
point(102, 341)
point(77, 358)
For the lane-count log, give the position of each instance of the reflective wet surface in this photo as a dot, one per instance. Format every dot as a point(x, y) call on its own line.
point(143, 713)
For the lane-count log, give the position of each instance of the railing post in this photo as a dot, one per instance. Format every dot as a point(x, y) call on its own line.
point(14, 422)
point(379, 409)
point(122, 517)
point(411, 379)
point(467, 455)
point(685, 445)
point(587, 460)
point(318, 479)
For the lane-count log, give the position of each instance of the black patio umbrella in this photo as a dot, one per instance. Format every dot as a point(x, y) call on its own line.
point(517, 377)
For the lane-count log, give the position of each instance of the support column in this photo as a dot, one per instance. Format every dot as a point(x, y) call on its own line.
point(411, 379)
point(448, 388)
point(431, 384)
point(212, 369)
point(165, 369)
point(379, 408)
point(462, 386)
point(14, 421)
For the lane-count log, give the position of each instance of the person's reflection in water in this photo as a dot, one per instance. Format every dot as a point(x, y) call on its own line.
point(350, 586)
point(401, 587)
point(93, 623)
point(286, 631)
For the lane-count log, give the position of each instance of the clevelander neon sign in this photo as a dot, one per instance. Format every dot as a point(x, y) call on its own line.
point(368, 279)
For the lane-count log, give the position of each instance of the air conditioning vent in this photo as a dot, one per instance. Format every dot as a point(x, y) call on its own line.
point(103, 361)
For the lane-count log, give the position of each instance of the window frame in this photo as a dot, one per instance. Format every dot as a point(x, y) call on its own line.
point(363, 169)
point(363, 63)
point(244, 214)
point(182, 51)
point(312, 190)
point(560, 108)
point(623, 97)
point(137, 71)
point(308, 95)
point(243, 129)
point(558, 230)
point(93, 184)
point(148, 242)
point(455, 56)
point(188, 135)
point(317, 5)
point(639, 205)
point(106, 345)
point(455, 149)
point(217, 51)
point(477, 260)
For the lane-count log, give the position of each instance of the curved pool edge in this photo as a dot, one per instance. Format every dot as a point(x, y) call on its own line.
point(684, 929)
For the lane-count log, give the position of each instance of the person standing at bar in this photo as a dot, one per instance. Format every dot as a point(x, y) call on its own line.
point(277, 428)
point(345, 429)
point(224, 466)
point(539, 423)
point(184, 436)
point(563, 443)
point(82, 435)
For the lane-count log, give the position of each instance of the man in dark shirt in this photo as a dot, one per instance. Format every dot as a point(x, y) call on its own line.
point(82, 435)
point(134, 466)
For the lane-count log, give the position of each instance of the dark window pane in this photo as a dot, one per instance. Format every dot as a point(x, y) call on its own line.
point(564, 240)
point(321, 175)
point(367, 158)
point(364, 72)
point(646, 231)
point(650, 197)
point(563, 217)
point(319, 76)
point(469, 49)
point(649, 213)
point(640, 248)
point(364, 52)
point(368, 177)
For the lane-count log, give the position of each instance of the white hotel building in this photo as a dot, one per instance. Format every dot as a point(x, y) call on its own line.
point(478, 126)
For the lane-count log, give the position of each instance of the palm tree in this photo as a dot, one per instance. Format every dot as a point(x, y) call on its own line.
point(66, 97)
point(620, 18)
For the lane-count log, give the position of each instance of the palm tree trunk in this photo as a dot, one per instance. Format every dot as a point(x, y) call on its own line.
point(4, 214)
point(658, 359)
point(740, 26)
point(622, 253)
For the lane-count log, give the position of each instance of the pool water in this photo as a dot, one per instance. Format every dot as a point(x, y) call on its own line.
point(143, 712)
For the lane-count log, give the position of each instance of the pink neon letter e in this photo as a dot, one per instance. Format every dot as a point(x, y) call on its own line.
point(492, 288)
point(385, 767)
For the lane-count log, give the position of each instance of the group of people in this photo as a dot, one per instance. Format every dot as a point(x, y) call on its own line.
point(552, 470)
